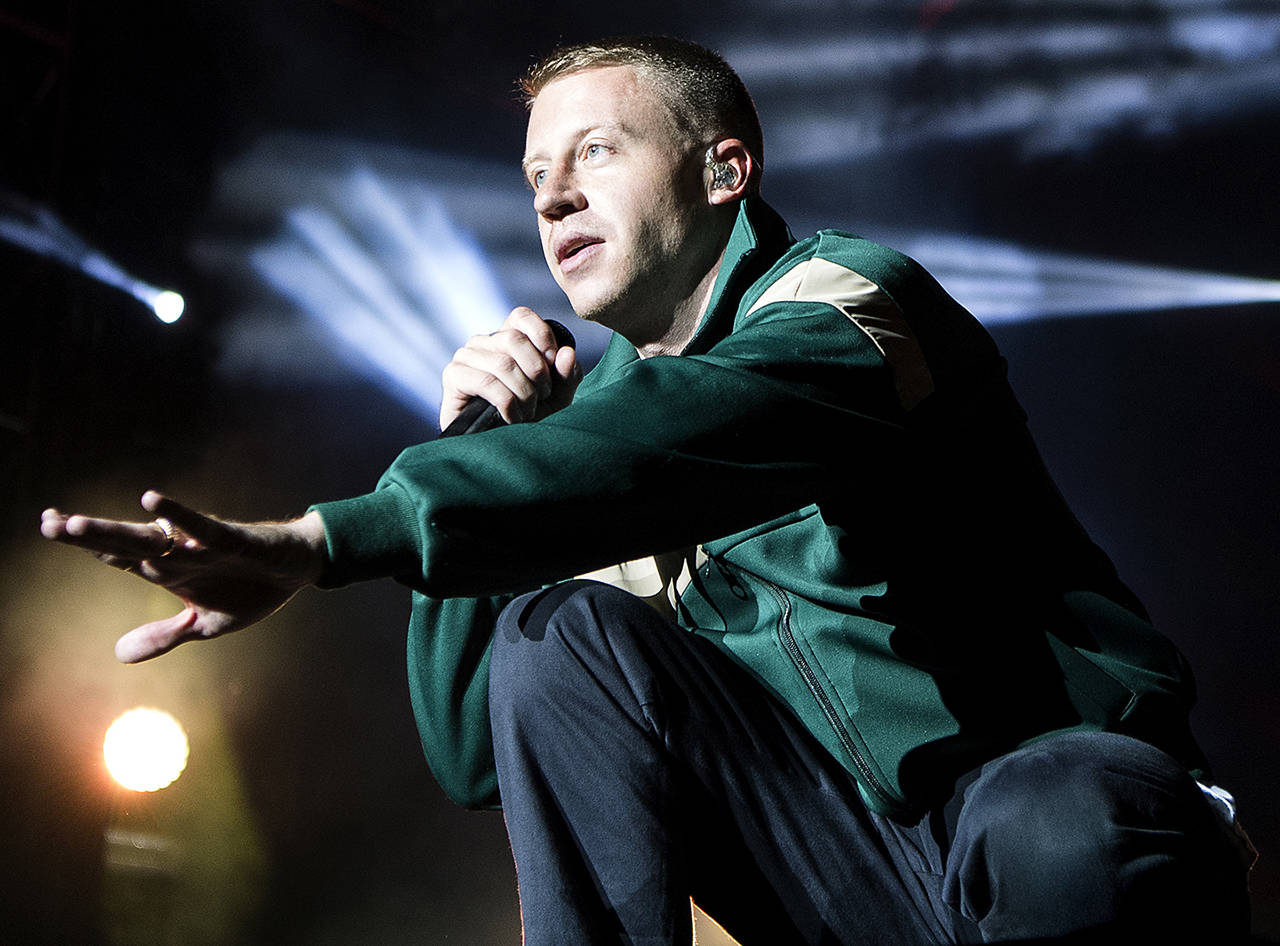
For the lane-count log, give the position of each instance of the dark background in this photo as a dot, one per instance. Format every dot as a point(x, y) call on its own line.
point(1140, 132)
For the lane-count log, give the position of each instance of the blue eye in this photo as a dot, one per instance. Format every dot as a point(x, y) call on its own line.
point(537, 179)
point(594, 150)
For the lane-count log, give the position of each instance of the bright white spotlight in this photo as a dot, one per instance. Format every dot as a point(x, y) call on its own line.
point(168, 306)
point(145, 749)
point(35, 228)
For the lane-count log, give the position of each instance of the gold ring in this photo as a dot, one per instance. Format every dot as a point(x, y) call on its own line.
point(170, 534)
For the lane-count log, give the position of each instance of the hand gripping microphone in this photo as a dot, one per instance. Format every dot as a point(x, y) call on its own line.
point(479, 414)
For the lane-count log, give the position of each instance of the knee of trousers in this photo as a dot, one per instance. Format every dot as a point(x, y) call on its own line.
point(566, 642)
point(1081, 829)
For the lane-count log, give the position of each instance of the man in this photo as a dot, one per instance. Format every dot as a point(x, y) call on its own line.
point(917, 704)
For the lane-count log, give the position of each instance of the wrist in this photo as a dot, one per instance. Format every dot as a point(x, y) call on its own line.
point(377, 535)
point(308, 531)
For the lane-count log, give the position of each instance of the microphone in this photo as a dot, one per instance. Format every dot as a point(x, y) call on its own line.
point(479, 415)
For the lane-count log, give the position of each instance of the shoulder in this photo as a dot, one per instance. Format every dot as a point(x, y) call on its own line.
point(878, 301)
point(837, 268)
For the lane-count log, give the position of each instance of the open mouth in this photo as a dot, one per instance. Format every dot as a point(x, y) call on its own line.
point(574, 247)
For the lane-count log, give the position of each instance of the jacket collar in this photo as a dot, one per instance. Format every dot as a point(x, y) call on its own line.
point(758, 239)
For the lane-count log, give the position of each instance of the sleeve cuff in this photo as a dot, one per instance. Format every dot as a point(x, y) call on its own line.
point(371, 536)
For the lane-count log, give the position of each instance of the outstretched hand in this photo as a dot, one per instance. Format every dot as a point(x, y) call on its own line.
point(228, 574)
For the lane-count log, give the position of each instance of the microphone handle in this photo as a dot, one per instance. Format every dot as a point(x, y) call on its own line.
point(479, 415)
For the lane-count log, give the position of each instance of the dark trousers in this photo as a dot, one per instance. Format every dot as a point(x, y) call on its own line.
point(639, 766)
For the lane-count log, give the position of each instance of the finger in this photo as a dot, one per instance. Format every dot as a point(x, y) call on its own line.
point(52, 523)
point(158, 637)
point(134, 540)
point(516, 363)
point(157, 571)
point(509, 352)
point(525, 320)
point(190, 525)
point(566, 367)
point(107, 538)
point(510, 392)
point(131, 565)
point(568, 375)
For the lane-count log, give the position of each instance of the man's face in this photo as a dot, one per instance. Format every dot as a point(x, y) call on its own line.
point(620, 197)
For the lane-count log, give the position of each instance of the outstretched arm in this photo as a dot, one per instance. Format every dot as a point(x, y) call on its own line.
point(229, 575)
point(232, 574)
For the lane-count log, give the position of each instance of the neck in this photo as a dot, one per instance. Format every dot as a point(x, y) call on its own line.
point(685, 318)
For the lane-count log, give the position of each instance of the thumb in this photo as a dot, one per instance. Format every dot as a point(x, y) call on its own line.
point(156, 638)
point(566, 365)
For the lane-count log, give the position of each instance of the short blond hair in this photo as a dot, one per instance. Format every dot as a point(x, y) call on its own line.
point(704, 95)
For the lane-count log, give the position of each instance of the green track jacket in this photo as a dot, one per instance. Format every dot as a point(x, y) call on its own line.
point(840, 490)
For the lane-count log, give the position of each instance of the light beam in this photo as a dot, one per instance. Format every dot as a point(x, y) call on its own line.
point(38, 230)
point(1002, 282)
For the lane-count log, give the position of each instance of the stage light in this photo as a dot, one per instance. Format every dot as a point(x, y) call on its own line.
point(145, 749)
point(167, 305)
point(38, 230)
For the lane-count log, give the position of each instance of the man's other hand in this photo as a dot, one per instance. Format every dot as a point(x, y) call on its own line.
point(519, 369)
point(228, 574)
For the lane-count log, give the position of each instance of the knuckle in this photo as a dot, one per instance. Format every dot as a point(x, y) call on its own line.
point(449, 376)
point(492, 387)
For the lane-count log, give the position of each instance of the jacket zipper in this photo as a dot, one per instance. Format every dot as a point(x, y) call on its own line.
point(788, 639)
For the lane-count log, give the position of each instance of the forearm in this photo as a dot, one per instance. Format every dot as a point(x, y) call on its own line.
point(619, 473)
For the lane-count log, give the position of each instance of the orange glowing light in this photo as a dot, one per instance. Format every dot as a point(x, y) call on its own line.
point(145, 749)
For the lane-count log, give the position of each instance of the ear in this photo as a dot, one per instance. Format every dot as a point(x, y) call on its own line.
point(730, 173)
